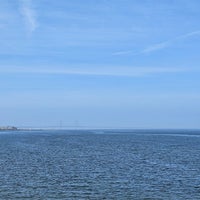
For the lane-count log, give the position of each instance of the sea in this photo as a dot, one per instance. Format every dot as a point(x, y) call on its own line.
point(100, 164)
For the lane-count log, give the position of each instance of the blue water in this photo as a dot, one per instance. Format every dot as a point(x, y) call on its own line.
point(121, 164)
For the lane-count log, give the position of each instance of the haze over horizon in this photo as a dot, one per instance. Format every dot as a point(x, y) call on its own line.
point(108, 63)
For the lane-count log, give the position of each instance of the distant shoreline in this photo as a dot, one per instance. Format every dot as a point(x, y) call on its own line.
point(13, 128)
point(8, 128)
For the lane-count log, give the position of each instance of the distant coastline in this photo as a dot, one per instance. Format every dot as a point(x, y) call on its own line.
point(8, 128)
point(14, 128)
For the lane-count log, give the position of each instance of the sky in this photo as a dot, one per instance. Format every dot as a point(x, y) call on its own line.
point(100, 63)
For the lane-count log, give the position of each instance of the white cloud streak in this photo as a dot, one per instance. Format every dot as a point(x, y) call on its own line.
point(168, 43)
point(161, 45)
point(95, 71)
point(156, 47)
point(28, 14)
point(122, 53)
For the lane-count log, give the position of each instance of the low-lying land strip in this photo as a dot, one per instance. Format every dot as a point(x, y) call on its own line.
point(8, 128)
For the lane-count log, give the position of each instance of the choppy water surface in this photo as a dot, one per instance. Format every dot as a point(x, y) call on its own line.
point(100, 165)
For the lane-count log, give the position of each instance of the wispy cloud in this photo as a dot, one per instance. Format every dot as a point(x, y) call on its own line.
point(156, 47)
point(161, 45)
point(29, 14)
point(168, 43)
point(118, 71)
point(122, 53)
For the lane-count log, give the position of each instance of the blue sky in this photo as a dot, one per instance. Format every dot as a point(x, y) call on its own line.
point(100, 63)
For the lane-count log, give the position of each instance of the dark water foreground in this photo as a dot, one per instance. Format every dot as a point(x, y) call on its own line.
point(100, 165)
